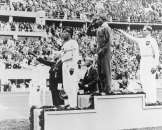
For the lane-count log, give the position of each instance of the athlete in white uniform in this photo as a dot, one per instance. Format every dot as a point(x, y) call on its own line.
point(149, 61)
point(70, 59)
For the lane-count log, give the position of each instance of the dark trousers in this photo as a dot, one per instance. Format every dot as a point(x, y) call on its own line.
point(56, 97)
point(104, 73)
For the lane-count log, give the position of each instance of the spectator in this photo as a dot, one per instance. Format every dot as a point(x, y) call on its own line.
point(89, 82)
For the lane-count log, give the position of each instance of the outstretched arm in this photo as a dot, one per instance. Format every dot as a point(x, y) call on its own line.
point(41, 60)
point(45, 62)
point(128, 35)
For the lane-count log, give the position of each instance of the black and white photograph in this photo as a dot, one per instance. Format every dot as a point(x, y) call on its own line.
point(80, 64)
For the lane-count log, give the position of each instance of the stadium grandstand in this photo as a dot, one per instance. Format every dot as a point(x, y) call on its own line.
point(30, 28)
point(35, 25)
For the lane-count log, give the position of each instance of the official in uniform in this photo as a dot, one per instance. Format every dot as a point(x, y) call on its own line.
point(55, 77)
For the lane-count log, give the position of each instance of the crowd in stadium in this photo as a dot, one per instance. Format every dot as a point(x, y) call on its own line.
point(23, 51)
point(21, 26)
point(125, 53)
point(123, 10)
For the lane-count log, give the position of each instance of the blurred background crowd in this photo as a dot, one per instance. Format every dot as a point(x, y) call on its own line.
point(120, 10)
point(125, 54)
point(21, 26)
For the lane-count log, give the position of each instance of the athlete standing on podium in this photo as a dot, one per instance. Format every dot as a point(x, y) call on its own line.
point(70, 59)
point(149, 62)
point(100, 28)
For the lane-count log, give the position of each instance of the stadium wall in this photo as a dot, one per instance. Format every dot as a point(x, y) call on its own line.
point(41, 72)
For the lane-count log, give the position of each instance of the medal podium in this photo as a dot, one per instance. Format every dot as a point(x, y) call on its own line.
point(111, 112)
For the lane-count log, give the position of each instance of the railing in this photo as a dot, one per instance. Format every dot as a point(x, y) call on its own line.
point(127, 20)
point(19, 33)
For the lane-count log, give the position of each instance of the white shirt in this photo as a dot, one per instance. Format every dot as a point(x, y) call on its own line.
point(74, 53)
point(148, 47)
